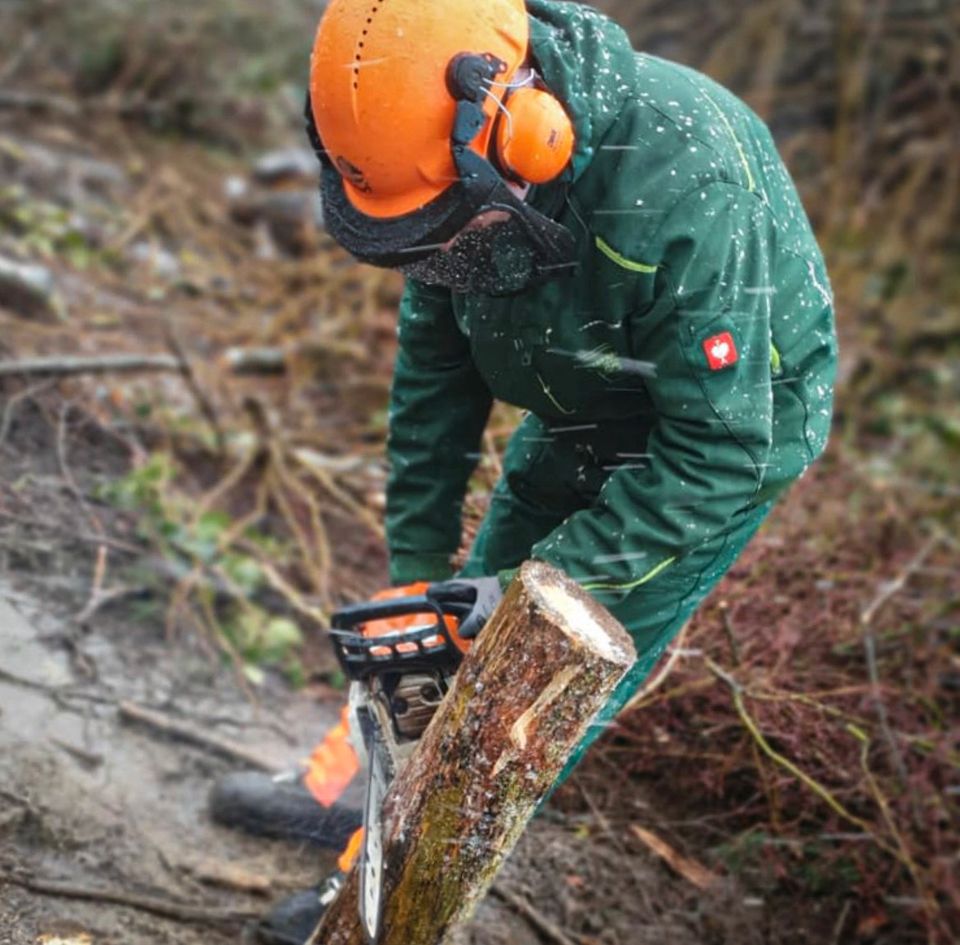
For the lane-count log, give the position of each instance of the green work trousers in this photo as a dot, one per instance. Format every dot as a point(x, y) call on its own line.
point(549, 475)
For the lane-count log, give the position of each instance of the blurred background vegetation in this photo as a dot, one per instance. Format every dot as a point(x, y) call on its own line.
point(257, 491)
point(862, 96)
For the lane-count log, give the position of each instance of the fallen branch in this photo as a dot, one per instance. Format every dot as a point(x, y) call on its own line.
point(277, 360)
point(38, 101)
point(166, 908)
point(65, 366)
point(238, 360)
point(226, 747)
point(229, 876)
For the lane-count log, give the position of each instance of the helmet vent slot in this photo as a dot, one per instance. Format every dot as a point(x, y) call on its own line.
point(358, 53)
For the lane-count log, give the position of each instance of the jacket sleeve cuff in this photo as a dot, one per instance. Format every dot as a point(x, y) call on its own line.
point(506, 577)
point(407, 567)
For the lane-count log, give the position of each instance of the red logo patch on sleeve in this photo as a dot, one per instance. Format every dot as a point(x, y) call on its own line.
point(721, 351)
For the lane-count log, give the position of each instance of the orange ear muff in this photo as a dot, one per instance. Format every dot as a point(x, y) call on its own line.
point(535, 136)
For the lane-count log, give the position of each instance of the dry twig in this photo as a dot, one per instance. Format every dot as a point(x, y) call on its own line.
point(870, 648)
point(692, 871)
point(677, 649)
point(536, 918)
point(96, 589)
point(101, 598)
point(73, 537)
point(21, 54)
point(207, 409)
point(38, 101)
point(906, 858)
point(166, 908)
point(14, 401)
point(820, 790)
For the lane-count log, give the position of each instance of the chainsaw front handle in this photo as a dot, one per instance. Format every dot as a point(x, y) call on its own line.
point(429, 648)
point(477, 598)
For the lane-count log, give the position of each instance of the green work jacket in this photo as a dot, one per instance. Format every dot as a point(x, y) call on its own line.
point(695, 340)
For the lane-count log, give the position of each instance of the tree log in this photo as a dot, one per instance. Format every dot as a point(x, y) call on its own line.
point(523, 699)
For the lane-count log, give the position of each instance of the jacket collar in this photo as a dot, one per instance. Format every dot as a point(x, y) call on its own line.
point(587, 61)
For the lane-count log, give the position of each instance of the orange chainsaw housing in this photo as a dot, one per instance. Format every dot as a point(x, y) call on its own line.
point(379, 628)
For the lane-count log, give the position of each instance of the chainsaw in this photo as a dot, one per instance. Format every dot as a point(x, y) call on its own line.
point(400, 653)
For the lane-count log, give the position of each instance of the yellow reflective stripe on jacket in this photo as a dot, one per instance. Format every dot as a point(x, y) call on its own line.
point(553, 400)
point(776, 364)
point(751, 183)
point(649, 576)
point(621, 260)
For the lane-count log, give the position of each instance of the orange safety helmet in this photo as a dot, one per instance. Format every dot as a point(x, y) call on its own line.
point(400, 90)
point(382, 106)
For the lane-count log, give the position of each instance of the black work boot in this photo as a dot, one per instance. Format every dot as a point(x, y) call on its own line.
point(281, 806)
point(292, 920)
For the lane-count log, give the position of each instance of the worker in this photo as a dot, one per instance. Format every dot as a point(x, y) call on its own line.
point(610, 242)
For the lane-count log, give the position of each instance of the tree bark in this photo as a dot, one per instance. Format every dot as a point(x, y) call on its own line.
point(523, 699)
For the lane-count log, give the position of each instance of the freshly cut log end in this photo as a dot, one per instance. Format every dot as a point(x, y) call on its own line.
point(524, 697)
point(576, 612)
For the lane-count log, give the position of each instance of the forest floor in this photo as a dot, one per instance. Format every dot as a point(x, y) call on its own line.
point(142, 512)
point(105, 833)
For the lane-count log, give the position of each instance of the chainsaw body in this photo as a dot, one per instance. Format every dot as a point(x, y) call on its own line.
point(400, 653)
point(403, 650)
